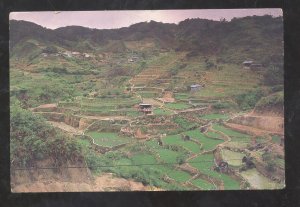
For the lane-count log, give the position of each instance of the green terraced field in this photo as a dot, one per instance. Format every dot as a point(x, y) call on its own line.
point(213, 134)
point(108, 139)
point(205, 162)
point(182, 96)
point(203, 184)
point(159, 111)
point(177, 106)
point(207, 143)
point(179, 176)
point(168, 156)
point(153, 143)
point(141, 158)
point(177, 140)
point(230, 132)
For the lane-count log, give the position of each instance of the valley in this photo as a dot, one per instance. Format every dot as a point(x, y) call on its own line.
point(148, 115)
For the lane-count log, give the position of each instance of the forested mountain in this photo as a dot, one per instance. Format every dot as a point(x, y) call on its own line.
point(257, 37)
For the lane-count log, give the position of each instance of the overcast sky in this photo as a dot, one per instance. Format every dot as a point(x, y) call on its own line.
point(117, 19)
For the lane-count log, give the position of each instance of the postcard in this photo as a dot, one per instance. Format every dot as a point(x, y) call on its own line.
point(146, 100)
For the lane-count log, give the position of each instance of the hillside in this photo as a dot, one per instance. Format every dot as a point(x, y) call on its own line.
point(250, 35)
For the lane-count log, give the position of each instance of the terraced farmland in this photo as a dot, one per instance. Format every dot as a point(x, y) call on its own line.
point(169, 156)
point(203, 184)
point(154, 106)
point(178, 141)
point(204, 164)
point(207, 143)
point(143, 159)
point(178, 106)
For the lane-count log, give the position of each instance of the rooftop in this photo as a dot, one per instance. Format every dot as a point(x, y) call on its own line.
point(145, 104)
point(195, 86)
point(248, 61)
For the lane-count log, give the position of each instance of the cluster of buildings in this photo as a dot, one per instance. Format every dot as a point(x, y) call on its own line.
point(68, 54)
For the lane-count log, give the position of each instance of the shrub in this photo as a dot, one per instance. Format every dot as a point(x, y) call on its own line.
point(33, 139)
point(248, 100)
point(272, 100)
point(50, 50)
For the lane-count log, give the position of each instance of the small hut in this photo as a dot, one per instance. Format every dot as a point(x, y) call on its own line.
point(195, 87)
point(145, 108)
point(247, 64)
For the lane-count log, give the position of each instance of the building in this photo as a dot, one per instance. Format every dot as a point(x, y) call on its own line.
point(195, 87)
point(247, 63)
point(145, 108)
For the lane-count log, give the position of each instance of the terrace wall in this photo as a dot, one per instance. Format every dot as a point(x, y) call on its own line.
point(69, 119)
point(100, 148)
